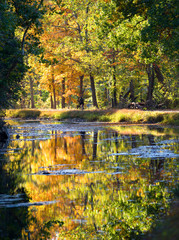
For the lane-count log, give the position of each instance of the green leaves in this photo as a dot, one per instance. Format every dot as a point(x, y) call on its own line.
point(17, 18)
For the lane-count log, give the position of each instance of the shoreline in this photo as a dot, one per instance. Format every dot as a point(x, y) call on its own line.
point(110, 116)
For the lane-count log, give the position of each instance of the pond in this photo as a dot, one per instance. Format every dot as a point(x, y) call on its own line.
point(79, 181)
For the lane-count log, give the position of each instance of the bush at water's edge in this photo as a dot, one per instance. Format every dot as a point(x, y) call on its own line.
point(4, 135)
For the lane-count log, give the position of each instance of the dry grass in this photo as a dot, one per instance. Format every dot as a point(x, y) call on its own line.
point(111, 115)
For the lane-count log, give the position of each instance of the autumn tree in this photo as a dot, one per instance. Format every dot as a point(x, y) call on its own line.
point(84, 48)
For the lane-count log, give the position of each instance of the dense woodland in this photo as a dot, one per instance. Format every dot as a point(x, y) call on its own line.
point(109, 52)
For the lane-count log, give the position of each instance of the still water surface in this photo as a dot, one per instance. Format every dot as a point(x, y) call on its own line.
point(61, 181)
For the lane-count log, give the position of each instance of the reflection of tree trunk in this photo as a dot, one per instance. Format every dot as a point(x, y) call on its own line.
point(83, 142)
point(117, 160)
point(116, 144)
point(65, 145)
point(63, 92)
point(33, 147)
point(92, 193)
point(94, 224)
point(95, 104)
point(156, 164)
point(86, 201)
point(31, 93)
point(151, 139)
point(134, 144)
point(95, 139)
point(55, 145)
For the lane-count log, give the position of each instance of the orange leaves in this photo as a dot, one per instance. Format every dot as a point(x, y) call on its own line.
point(59, 31)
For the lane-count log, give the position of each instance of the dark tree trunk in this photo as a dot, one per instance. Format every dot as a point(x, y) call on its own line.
point(22, 102)
point(127, 93)
point(58, 102)
point(150, 72)
point(32, 93)
point(114, 99)
point(95, 104)
point(63, 92)
point(130, 91)
point(106, 96)
point(54, 98)
point(51, 101)
point(54, 93)
point(158, 73)
point(81, 85)
point(132, 97)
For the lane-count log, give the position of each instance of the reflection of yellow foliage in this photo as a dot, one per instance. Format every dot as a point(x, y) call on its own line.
point(86, 196)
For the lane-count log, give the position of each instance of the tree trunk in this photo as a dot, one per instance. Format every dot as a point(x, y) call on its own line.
point(32, 93)
point(150, 72)
point(158, 73)
point(132, 97)
point(54, 93)
point(51, 101)
point(81, 85)
point(22, 102)
point(106, 96)
point(63, 92)
point(95, 104)
point(130, 91)
point(54, 98)
point(114, 98)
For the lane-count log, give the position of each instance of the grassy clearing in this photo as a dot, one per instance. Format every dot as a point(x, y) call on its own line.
point(112, 115)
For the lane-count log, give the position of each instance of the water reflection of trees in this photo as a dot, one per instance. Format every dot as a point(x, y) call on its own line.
point(122, 200)
point(12, 220)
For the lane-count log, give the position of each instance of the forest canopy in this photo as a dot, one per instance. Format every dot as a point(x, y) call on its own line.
point(111, 53)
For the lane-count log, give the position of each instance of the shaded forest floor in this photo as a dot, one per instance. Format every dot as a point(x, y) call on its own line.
point(166, 117)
